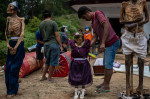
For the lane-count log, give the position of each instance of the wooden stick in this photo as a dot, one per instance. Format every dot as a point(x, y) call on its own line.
point(131, 76)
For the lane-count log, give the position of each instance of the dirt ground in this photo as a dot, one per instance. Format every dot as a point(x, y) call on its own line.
point(32, 88)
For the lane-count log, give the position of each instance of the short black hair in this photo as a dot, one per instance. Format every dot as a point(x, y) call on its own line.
point(82, 10)
point(78, 36)
point(46, 14)
point(62, 29)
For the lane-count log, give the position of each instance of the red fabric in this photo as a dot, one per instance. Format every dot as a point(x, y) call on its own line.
point(62, 69)
point(111, 42)
point(30, 64)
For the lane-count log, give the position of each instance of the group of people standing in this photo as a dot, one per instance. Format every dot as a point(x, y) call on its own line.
point(80, 71)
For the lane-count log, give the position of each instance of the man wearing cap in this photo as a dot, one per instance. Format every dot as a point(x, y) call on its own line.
point(109, 42)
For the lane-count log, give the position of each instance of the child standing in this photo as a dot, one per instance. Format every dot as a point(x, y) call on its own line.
point(80, 69)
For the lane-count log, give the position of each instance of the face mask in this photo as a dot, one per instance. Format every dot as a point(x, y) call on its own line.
point(87, 29)
point(66, 30)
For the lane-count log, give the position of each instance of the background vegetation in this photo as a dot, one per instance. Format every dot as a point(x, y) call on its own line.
point(32, 11)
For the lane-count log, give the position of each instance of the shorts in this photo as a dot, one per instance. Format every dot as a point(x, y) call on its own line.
point(109, 55)
point(134, 44)
point(39, 55)
point(52, 52)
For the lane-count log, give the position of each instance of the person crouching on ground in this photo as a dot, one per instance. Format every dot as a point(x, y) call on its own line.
point(80, 69)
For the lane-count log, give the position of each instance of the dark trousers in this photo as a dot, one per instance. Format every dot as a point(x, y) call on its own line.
point(12, 68)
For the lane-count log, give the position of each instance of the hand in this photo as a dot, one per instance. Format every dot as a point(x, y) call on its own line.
point(13, 51)
point(130, 26)
point(139, 19)
point(102, 47)
point(9, 47)
point(61, 49)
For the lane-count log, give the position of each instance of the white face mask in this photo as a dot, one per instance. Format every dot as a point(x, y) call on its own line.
point(87, 29)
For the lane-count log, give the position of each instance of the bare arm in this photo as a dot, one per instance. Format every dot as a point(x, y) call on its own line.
point(6, 32)
point(106, 32)
point(40, 42)
point(58, 39)
point(21, 35)
point(94, 39)
point(146, 14)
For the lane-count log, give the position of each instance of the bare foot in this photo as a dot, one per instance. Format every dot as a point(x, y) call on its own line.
point(105, 88)
point(19, 80)
point(44, 78)
point(99, 86)
point(139, 91)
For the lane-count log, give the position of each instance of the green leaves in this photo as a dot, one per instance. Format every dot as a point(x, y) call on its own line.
point(71, 21)
point(33, 24)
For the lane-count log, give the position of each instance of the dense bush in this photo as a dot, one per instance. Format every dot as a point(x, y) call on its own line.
point(72, 21)
point(29, 39)
point(33, 24)
point(2, 25)
point(3, 52)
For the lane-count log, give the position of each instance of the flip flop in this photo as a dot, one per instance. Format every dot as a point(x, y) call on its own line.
point(101, 91)
point(43, 79)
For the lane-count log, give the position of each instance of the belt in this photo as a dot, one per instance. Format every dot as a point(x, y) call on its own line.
point(80, 59)
point(14, 38)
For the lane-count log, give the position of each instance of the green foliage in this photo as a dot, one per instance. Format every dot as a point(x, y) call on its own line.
point(33, 24)
point(71, 21)
point(3, 52)
point(2, 25)
point(3, 16)
point(29, 39)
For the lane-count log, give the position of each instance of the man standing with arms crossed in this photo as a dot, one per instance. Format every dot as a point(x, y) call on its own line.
point(52, 44)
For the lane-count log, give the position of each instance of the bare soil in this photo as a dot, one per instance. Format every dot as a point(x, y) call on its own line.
point(32, 88)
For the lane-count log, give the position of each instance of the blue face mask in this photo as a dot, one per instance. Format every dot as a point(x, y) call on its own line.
point(66, 30)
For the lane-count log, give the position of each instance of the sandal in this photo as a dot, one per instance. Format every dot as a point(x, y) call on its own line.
point(101, 91)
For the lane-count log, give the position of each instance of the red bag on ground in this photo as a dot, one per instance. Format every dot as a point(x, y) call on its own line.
point(30, 64)
point(62, 69)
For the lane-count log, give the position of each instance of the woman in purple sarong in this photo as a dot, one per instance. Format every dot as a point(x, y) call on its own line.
point(80, 69)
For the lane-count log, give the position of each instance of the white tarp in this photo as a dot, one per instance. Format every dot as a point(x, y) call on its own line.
point(98, 62)
point(135, 70)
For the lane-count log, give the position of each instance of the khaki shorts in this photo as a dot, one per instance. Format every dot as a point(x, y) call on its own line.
point(134, 44)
